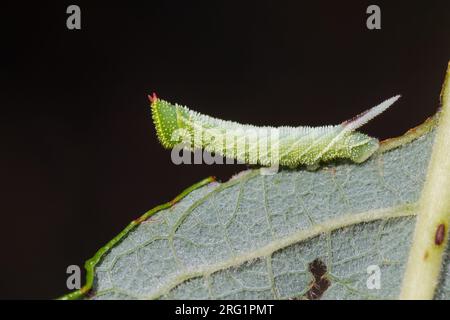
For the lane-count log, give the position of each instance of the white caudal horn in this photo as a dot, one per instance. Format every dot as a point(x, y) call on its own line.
point(368, 115)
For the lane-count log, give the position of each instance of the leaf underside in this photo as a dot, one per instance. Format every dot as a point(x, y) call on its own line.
point(292, 235)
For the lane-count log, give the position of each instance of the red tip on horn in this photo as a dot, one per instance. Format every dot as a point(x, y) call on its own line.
point(152, 97)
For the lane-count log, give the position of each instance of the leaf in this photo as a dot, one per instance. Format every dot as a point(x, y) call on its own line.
point(292, 235)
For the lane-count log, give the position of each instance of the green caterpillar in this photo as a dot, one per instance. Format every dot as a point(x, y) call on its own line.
point(267, 146)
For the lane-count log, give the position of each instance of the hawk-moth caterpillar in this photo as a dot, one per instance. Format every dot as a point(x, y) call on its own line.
point(266, 146)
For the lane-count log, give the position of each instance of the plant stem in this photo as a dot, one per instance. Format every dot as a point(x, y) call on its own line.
point(431, 234)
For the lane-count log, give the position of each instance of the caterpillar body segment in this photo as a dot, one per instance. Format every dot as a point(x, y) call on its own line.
point(265, 145)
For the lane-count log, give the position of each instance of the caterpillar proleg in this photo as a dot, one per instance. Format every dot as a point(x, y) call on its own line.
point(266, 146)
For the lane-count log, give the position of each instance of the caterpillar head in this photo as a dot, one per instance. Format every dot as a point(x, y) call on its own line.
point(168, 122)
point(360, 146)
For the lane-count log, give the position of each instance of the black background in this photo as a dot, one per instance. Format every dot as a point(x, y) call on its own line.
point(79, 155)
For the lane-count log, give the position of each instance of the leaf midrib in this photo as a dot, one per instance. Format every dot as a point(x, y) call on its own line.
point(327, 226)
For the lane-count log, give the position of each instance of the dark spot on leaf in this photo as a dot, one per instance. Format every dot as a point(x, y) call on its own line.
point(320, 283)
point(440, 234)
point(425, 256)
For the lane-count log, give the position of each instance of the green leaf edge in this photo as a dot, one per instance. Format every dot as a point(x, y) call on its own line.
point(386, 145)
point(90, 264)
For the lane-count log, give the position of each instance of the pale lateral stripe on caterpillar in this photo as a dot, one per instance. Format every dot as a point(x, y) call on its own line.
point(287, 146)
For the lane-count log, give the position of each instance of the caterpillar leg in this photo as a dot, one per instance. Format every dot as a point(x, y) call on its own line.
point(312, 167)
point(268, 171)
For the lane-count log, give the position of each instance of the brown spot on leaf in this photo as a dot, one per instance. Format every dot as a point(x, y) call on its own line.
point(320, 283)
point(440, 234)
point(425, 256)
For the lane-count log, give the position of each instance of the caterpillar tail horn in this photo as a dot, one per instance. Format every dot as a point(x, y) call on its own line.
point(366, 116)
